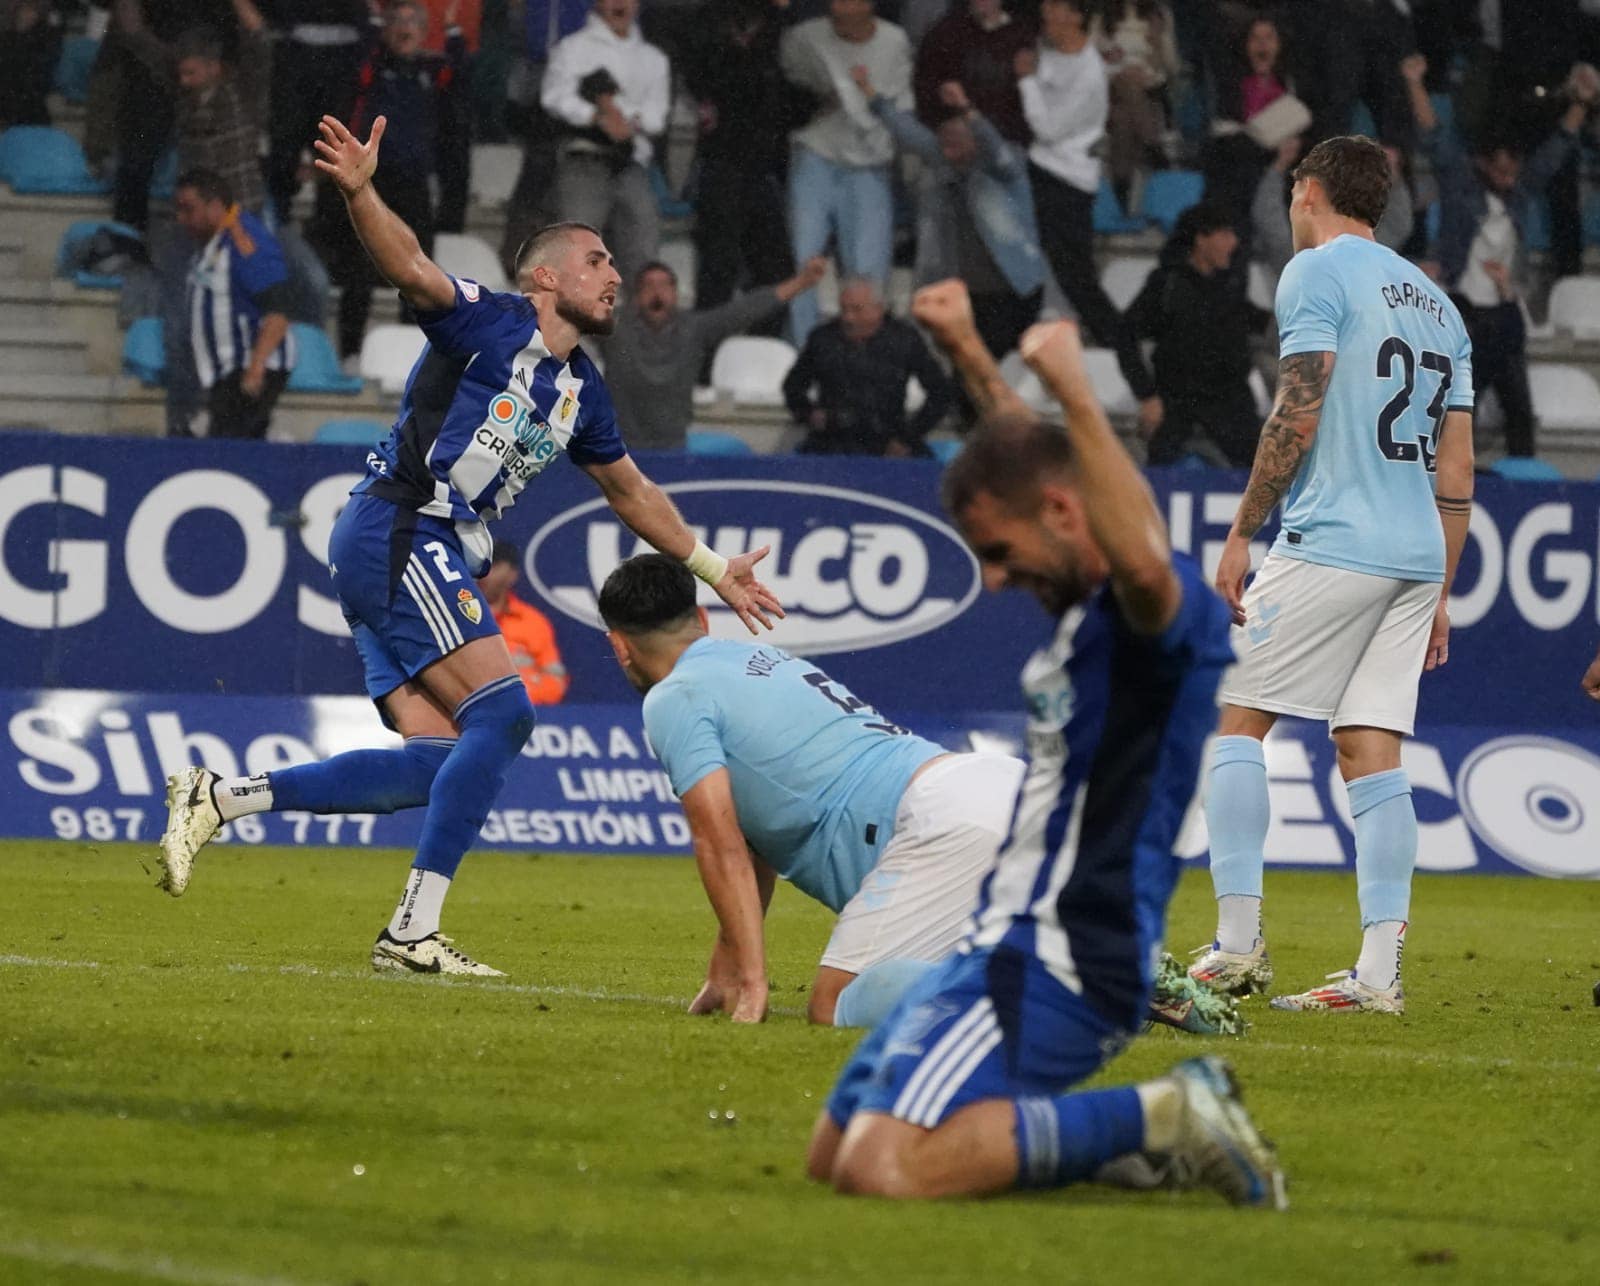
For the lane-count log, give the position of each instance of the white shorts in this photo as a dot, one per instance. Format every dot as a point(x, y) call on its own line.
point(915, 902)
point(1325, 643)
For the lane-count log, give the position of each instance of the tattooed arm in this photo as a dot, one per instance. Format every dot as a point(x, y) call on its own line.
point(1285, 439)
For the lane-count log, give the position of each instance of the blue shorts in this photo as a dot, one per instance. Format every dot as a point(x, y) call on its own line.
point(989, 1024)
point(406, 589)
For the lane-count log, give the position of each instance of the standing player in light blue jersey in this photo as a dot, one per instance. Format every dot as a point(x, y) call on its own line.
point(502, 388)
point(783, 771)
point(1369, 449)
point(967, 1087)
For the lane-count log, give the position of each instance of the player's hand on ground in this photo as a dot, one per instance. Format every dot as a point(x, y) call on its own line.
point(344, 158)
point(708, 1000)
point(750, 1006)
point(945, 309)
point(1591, 678)
point(755, 604)
point(1231, 571)
point(1439, 637)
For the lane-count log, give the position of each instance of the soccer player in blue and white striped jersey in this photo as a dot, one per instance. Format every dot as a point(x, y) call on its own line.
point(966, 1087)
point(502, 389)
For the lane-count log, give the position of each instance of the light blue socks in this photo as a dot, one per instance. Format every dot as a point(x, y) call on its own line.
point(1237, 815)
point(1386, 844)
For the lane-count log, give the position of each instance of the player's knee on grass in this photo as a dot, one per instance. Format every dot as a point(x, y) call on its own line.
point(824, 1146)
point(865, 1000)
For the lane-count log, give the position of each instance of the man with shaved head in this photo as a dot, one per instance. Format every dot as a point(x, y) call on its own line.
point(502, 388)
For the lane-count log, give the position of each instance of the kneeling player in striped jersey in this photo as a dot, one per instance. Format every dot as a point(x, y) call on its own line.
point(964, 1087)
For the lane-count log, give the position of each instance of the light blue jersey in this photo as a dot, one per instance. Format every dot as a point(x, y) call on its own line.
point(1363, 499)
point(817, 773)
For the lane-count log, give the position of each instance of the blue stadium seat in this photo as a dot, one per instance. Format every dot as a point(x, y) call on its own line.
point(1108, 215)
point(316, 365)
point(1591, 223)
point(1526, 468)
point(945, 449)
point(716, 442)
point(72, 241)
point(1361, 121)
point(37, 158)
point(1168, 193)
point(144, 353)
point(164, 178)
point(1193, 460)
point(1536, 224)
point(359, 433)
point(668, 205)
point(72, 69)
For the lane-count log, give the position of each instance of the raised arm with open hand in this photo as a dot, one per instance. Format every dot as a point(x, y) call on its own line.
point(394, 248)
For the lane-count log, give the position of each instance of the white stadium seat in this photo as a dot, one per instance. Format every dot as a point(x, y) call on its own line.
point(495, 167)
point(1564, 397)
point(1262, 286)
point(470, 257)
point(1123, 278)
point(1575, 306)
point(388, 353)
point(678, 254)
point(751, 369)
point(1016, 373)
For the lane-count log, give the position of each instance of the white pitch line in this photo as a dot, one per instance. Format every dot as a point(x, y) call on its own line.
point(160, 1267)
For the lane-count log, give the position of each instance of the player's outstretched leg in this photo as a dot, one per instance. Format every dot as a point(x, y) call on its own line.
point(495, 723)
point(200, 802)
point(1386, 854)
point(1237, 815)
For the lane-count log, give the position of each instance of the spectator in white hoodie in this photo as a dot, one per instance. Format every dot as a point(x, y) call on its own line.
point(611, 90)
point(839, 160)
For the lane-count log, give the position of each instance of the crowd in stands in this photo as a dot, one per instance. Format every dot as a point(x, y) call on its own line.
point(979, 138)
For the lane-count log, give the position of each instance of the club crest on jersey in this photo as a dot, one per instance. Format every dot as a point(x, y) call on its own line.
point(568, 407)
point(467, 601)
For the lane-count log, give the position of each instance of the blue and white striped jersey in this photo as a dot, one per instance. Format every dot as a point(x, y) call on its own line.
point(238, 279)
point(1116, 725)
point(486, 408)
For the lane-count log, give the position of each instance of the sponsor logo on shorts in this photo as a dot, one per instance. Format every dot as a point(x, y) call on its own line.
point(467, 601)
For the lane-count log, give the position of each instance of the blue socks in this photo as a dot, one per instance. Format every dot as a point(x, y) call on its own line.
point(1237, 813)
point(363, 781)
point(495, 723)
point(876, 990)
point(1386, 844)
point(1067, 1138)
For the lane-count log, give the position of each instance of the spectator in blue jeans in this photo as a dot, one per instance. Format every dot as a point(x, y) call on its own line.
point(839, 161)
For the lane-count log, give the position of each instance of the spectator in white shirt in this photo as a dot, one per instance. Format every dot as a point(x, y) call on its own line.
point(611, 90)
point(839, 160)
point(1065, 99)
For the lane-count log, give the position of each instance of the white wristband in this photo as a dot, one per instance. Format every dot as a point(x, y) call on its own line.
point(706, 563)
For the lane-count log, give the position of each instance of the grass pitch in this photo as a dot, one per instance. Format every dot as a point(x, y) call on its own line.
point(219, 1090)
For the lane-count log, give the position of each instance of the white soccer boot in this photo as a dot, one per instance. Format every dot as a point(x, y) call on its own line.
point(1218, 1144)
point(1235, 973)
point(1347, 995)
point(432, 954)
point(192, 822)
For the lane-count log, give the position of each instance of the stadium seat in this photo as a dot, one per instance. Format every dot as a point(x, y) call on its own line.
point(717, 442)
point(144, 351)
point(945, 449)
point(388, 353)
point(1591, 223)
point(678, 253)
point(1109, 386)
point(668, 204)
point(1124, 277)
point(751, 368)
point(316, 365)
point(495, 167)
point(73, 67)
point(1564, 397)
point(1536, 224)
point(70, 253)
point(464, 255)
point(37, 158)
point(1168, 193)
point(1525, 468)
point(1108, 214)
point(1261, 287)
point(164, 178)
point(1575, 306)
point(1361, 121)
point(358, 433)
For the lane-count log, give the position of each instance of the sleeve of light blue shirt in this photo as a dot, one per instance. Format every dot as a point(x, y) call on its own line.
point(1310, 305)
point(682, 727)
point(1462, 393)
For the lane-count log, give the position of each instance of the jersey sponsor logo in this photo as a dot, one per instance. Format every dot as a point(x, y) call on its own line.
point(853, 571)
point(468, 603)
